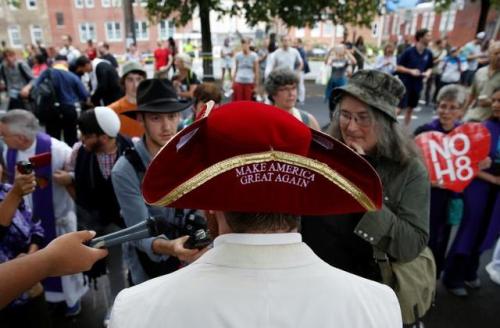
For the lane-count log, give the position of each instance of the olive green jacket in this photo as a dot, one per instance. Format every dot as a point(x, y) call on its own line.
point(401, 227)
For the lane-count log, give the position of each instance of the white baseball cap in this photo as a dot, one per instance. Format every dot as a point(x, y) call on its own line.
point(108, 120)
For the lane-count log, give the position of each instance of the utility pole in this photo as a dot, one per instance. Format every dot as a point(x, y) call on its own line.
point(128, 14)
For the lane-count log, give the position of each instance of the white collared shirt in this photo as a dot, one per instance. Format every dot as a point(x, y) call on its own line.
point(258, 238)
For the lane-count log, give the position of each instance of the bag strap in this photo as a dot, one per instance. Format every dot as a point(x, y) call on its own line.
point(2, 73)
point(384, 263)
point(135, 160)
point(25, 75)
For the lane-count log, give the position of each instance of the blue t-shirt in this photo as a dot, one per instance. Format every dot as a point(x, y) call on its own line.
point(412, 59)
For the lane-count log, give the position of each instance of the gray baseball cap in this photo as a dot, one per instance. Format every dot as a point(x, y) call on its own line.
point(378, 89)
point(129, 67)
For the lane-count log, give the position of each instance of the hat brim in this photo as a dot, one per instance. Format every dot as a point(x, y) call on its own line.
point(367, 97)
point(136, 70)
point(196, 169)
point(160, 107)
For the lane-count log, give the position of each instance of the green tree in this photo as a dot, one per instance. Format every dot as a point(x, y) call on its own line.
point(297, 13)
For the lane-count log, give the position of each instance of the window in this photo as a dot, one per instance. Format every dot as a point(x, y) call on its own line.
point(328, 29)
point(111, 3)
point(430, 24)
point(375, 29)
point(113, 31)
point(447, 21)
point(339, 31)
point(15, 36)
point(143, 2)
point(451, 20)
point(425, 20)
point(84, 3)
point(59, 19)
point(31, 4)
point(414, 24)
point(36, 33)
point(87, 32)
point(315, 31)
point(395, 24)
point(299, 33)
point(141, 30)
point(387, 20)
point(166, 29)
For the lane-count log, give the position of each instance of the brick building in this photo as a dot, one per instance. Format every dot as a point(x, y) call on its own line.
point(458, 23)
point(23, 22)
point(103, 20)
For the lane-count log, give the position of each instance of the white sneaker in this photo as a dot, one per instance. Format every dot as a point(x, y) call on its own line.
point(494, 274)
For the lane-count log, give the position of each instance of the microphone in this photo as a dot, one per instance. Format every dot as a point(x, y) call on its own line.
point(193, 225)
point(151, 227)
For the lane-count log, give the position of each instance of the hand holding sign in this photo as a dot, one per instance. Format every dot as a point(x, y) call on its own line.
point(452, 160)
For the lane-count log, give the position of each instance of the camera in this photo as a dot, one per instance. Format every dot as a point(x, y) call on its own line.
point(193, 225)
point(34, 162)
point(25, 167)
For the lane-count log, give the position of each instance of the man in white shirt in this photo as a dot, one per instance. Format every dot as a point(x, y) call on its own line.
point(259, 273)
point(284, 57)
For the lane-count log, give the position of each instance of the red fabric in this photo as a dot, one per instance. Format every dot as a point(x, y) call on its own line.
point(38, 69)
point(161, 57)
point(242, 91)
point(91, 53)
point(241, 128)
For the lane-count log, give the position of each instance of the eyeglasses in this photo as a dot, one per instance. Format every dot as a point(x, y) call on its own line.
point(363, 119)
point(444, 107)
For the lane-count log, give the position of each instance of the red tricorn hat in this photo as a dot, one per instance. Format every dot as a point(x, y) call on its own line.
point(250, 157)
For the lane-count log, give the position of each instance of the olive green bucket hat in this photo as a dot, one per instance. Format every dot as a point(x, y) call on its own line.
point(378, 89)
point(135, 67)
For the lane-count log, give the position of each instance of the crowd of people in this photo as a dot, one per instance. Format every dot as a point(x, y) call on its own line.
point(363, 192)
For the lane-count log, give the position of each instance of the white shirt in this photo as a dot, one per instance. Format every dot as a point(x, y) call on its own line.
point(281, 58)
point(255, 280)
point(71, 53)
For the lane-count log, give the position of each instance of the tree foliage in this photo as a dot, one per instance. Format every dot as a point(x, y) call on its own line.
point(297, 13)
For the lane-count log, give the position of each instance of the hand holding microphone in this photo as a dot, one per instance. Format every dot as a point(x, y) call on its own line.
point(193, 226)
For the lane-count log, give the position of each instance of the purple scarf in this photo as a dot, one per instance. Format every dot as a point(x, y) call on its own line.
point(43, 207)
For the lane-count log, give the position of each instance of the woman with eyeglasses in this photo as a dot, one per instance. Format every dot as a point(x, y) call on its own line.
point(450, 102)
point(365, 120)
point(480, 225)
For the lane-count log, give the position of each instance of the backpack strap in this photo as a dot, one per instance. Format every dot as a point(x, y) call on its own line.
point(135, 160)
point(2, 75)
point(25, 75)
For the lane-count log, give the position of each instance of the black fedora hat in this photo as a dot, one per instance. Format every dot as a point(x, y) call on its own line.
point(157, 96)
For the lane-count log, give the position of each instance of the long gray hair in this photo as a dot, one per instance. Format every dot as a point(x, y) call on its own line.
point(392, 142)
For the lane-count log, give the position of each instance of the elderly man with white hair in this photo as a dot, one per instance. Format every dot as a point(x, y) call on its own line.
point(51, 203)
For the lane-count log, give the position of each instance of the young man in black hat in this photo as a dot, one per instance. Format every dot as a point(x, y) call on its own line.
point(158, 111)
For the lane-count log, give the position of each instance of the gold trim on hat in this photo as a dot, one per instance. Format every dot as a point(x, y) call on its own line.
point(278, 156)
